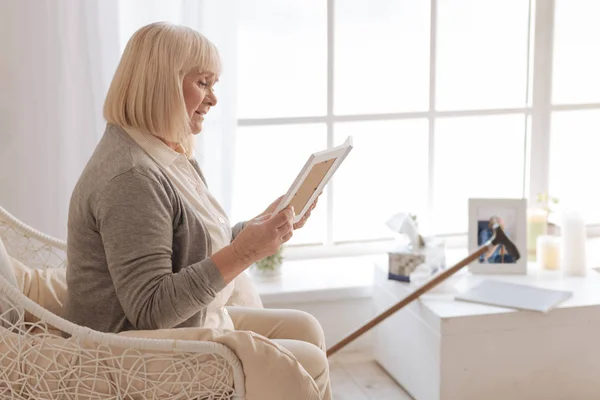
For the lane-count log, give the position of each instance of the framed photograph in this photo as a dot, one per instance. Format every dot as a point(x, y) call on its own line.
point(511, 215)
point(317, 171)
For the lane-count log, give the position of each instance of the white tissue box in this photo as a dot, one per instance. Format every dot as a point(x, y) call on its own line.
point(403, 263)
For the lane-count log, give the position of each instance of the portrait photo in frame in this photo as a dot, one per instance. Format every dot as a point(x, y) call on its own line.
point(511, 214)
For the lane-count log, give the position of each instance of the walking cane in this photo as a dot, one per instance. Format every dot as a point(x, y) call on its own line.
point(498, 238)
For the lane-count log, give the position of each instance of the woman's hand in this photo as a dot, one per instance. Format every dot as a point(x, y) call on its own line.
point(298, 224)
point(264, 235)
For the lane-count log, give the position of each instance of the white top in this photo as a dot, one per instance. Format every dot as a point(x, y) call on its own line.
point(192, 188)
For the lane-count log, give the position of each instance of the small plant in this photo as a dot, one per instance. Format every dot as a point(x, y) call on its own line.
point(271, 263)
point(546, 202)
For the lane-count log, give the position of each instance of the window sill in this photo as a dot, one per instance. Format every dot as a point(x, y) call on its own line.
point(454, 242)
point(320, 280)
point(346, 278)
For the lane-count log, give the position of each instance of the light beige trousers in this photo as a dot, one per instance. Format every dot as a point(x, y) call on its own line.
point(297, 331)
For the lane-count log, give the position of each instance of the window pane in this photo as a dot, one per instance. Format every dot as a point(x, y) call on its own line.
point(282, 58)
point(574, 159)
point(576, 56)
point(475, 157)
point(482, 54)
point(381, 56)
point(268, 159)
point(385, 173)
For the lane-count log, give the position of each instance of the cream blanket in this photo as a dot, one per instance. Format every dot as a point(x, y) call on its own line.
point(271, 371)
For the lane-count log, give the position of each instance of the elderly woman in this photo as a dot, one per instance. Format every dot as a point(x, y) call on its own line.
point(149, 247)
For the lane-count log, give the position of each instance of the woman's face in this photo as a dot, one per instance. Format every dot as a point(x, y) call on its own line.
point(199, 97)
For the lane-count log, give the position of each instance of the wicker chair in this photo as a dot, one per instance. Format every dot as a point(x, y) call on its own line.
point(37, 362)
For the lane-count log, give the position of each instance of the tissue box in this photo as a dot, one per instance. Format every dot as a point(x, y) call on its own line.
point(403, 263)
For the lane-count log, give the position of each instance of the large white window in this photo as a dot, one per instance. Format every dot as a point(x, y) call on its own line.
point(445, 99)
point(575, 105)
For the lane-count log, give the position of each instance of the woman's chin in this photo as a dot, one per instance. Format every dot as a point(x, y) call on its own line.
point(196, 128)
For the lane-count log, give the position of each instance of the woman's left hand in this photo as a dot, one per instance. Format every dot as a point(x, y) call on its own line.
point(298, 224)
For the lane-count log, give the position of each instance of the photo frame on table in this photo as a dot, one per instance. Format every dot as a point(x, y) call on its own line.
point(316, 173)
point(511, 214)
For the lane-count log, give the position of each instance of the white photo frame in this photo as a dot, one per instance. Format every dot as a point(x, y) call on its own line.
point(316, 173)
point(513, 218)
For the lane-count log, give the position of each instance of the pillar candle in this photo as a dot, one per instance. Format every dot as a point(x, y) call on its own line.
point(573, 244)
point(548, 252)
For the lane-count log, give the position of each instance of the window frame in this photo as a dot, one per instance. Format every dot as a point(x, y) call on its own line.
point(538, 108)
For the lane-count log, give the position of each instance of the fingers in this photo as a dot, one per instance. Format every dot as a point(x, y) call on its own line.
point(283, 224)
point(282, 218)
point(287, 237)
point(301, 223)
point(286, 227)
point(275, 203)
point(306, 215)
point(263, 217)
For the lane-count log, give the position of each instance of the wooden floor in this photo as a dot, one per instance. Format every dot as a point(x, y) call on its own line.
point(356, 376)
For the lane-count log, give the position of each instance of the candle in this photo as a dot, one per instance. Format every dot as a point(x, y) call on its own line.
point(573, 244)
point(537, 224)
point(548, 252)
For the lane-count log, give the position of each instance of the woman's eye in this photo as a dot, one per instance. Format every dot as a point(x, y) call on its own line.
point(202, 83)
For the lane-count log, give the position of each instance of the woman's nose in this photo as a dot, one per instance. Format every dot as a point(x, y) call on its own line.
point(212, 99)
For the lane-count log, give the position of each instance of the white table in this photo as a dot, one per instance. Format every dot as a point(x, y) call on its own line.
point(439, 348)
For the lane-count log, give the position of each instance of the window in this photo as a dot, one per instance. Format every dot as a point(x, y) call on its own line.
point(575, 117)
point(576, 58)
point(481, 54)
point(282, 58)
point(445, 99)
point(380, 57)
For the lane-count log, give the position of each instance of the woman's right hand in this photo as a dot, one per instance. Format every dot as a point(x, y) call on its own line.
point(264, 235)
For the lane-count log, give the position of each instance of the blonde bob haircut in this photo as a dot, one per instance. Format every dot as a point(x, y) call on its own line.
point(146, 93)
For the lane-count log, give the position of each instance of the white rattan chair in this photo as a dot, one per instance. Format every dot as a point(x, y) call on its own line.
point(36, 362)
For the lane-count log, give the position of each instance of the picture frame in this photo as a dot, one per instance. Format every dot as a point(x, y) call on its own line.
point(316, 173)
point(511, 214)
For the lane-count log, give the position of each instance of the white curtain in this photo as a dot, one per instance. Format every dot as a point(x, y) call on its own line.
point(57, 60)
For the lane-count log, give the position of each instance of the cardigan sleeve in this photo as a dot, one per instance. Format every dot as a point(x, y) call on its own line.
point(236, 229)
